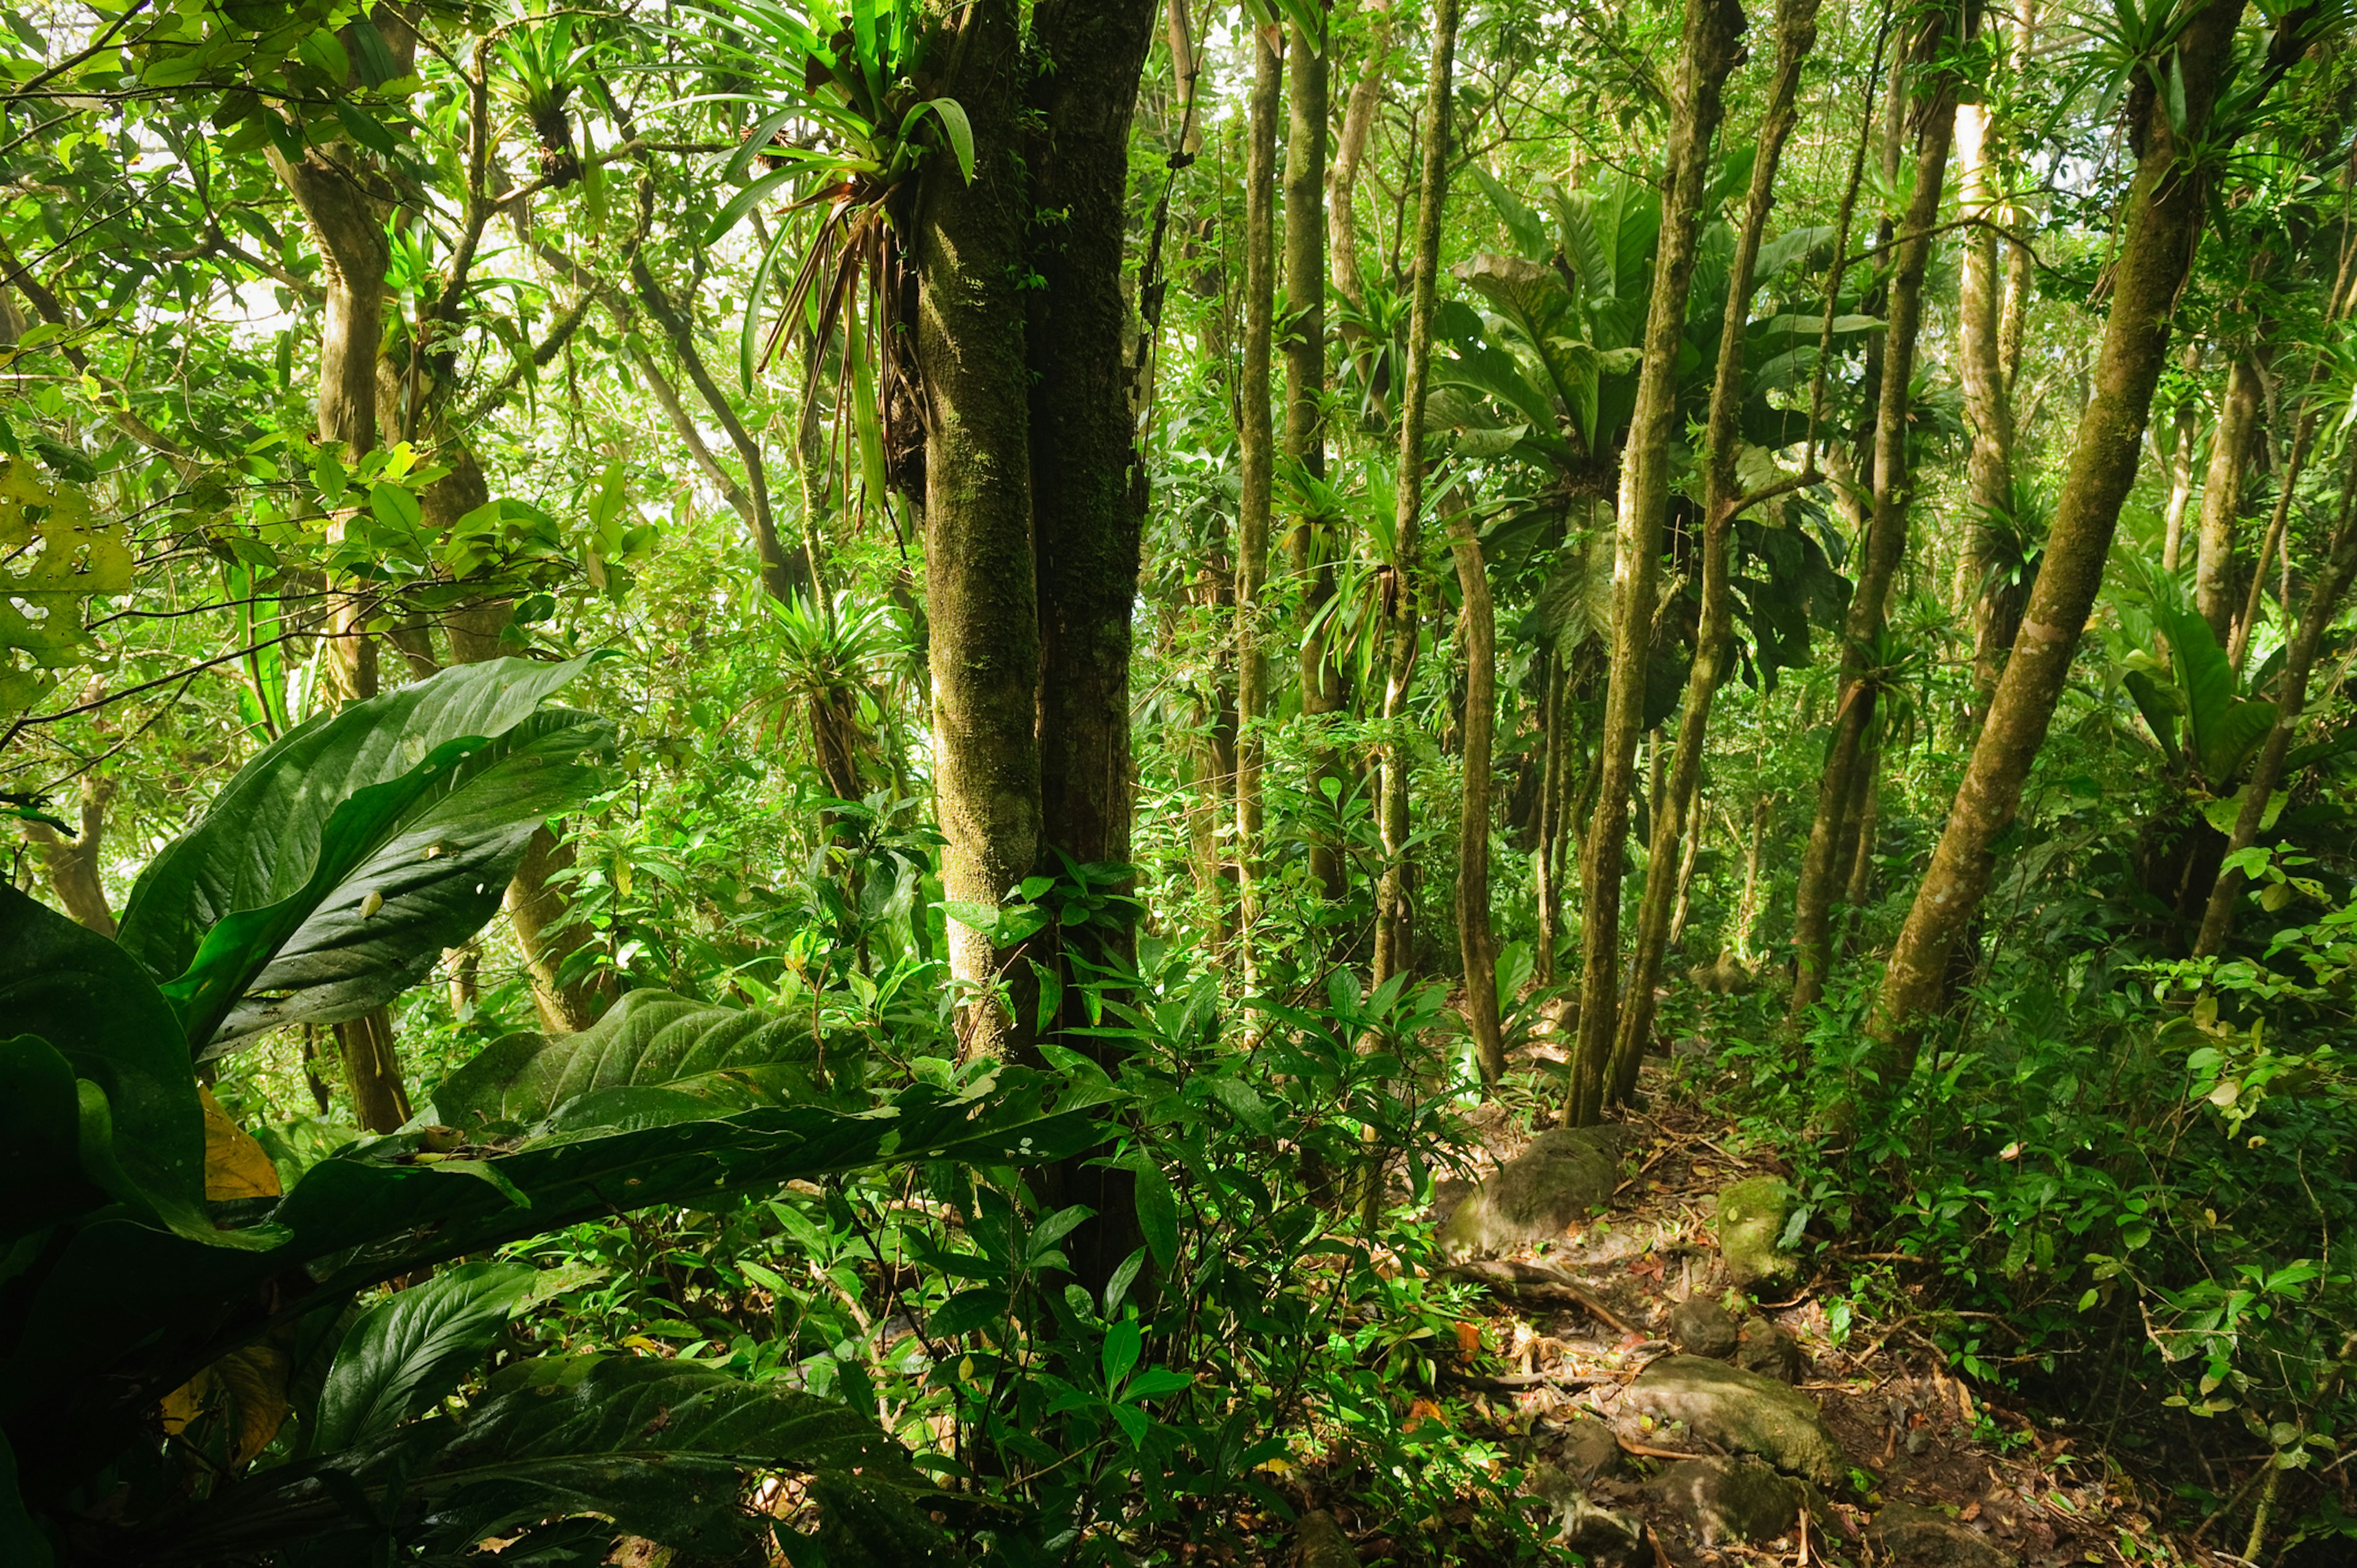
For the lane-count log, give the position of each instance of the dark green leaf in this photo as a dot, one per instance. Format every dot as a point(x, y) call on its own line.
point(411, 1348)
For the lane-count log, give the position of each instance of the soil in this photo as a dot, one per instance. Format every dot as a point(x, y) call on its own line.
point(1915, 1431)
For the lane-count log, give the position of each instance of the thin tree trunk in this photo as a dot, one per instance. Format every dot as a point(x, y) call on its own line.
point(2162, 227)
point(1707, 56)
point(1255, 442)
point(2238, 648)
point(549, 933)
point(71, 865)
point(1988, 403)
point(2180, 468)
point(982, 597)
point(1859, 882)
point(2222, 495)
point(2291, 700)
point(1395, 918)
point(1358, 114)
point(1475, 944)
point(1821, 869)
point(1554, 732)
point(1747, 912)
point(1311, 541)
point(1796, 35)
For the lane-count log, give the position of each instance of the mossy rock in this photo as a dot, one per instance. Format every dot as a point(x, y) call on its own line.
point(1752, 1215)
point(1565, 1174)
point(1318, 1543)
point(1913, 1537)
point(1700, 1326)
point(1723, 1500)
point(1743, 1412)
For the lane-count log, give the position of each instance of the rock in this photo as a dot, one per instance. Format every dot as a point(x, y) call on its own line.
point(1926, 1538)
point(1535, 1196)
point(1700, 1326)
point(1751, 1218)
point(1589, 1449)
point(1318, 1543)
point(1723, 1500)
point(1766, 1348)
point(1606, 1539)
point(1742, 1410)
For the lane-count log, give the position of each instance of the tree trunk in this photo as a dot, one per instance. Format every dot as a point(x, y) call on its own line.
point(345, 221)
point(1395, 920)
point(1476, 945)
point(2222, 495)
point(1796, 35)
point(1311, 543)
point(1553, 734)
point(1256, 467)
point(1747, 914)
point(2291, 700)
point(1713, 29)
point(2238, 647)
point(1988, 403)
point(982, 595)
point(1088, 500)
point(2187, 426)
point(1358, 114)
point(2162, 228)
point(549, 933)
point(1821, 868)
point(71, 865)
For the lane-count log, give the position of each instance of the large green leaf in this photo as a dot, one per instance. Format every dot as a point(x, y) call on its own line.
point(40, 1159)
point(136, 1311)
point(21, 1541)
point(410, 1349)
point(661, 1448)
point(105, 1019)
point(258, 843)
point(649, 1039)
point(385, 899)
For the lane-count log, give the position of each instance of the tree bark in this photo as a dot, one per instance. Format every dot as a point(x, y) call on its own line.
point(2291, 700)
point(1088, 500)
point(1821, 868)
point(1709, 53)
point(982, 592)
point(2187, 425)
point(1358, 114)
point(1255, 442)
point(1394, 918)
point(1311, 541)
point(549, 933)
point(2162, 228)
point(71, 865)
point(2238, 648)
point(1475, 944)
point(2222, 495)
point(1796, 35)
point(1988, 402)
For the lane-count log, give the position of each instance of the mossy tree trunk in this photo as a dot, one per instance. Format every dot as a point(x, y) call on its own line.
point(1256, 441)
point(2162, 228)
point(1708, 55)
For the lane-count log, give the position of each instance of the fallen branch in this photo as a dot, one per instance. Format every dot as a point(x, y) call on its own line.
point(1533, 1282)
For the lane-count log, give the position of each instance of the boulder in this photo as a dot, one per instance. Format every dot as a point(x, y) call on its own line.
point(1700, 1326)
point(1911, 1537)
point(1606, 1539)
point(1744, 1411)
point(1589, 1449)
point(1723, 1500)
point(1751, 1217)
point(1318, 1543)
point(1766, 1348)
point(1534, 1196)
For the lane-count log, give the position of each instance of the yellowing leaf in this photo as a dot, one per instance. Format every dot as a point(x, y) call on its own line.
point(243, 1396)
point(235, 1165)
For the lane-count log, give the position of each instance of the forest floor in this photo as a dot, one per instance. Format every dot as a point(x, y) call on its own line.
point(1915, 1434)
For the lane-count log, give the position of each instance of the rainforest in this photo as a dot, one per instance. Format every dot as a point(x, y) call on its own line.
point(1067, 783)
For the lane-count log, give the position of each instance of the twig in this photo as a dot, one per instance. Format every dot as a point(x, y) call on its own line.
point(1646, 1451)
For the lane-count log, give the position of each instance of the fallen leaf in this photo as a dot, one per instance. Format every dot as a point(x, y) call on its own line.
point(1419, 1412)
point(1469, 1339)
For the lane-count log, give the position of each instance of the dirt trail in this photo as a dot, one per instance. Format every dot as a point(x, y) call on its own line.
point(1592, 1310)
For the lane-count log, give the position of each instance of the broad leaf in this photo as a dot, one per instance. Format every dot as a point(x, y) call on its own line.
point(649, 1039)
point(258, 843)
point(411, 1348)
point(430, 883)
point(83, 995)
